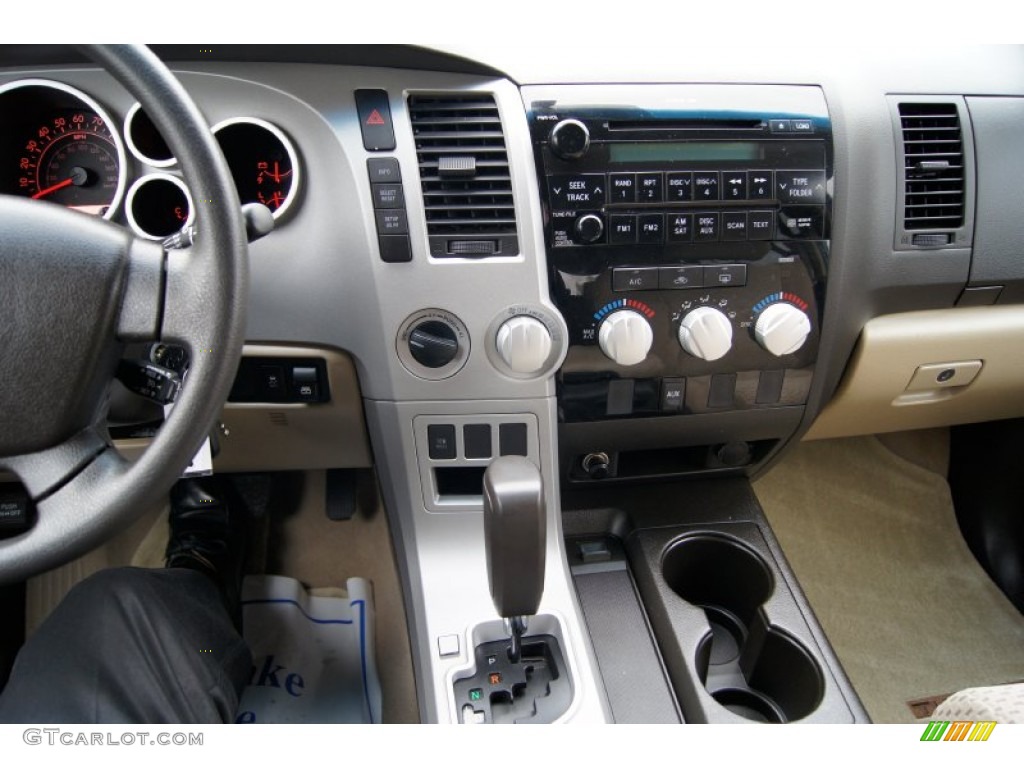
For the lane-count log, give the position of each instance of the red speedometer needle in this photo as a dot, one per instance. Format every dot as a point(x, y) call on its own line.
point(52, 189)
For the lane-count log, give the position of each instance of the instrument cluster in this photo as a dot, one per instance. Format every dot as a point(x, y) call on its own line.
point(59, 144)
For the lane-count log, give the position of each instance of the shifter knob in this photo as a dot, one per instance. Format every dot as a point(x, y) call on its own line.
point(515, 535)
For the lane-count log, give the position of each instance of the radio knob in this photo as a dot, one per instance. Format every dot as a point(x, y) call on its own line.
point(569, 139)
point(706, 333)
point(589, 228)
point(625, 337)
point(524, 343)
point(782, 329)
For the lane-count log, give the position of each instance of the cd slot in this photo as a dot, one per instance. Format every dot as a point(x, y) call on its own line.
point(692, 124)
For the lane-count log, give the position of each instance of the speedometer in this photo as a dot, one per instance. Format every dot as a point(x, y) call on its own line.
point(58, 145)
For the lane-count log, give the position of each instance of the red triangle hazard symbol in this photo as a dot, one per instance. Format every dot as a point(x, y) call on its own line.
point(375, 118)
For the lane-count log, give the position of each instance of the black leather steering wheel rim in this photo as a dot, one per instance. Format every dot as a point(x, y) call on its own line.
point(83, 489)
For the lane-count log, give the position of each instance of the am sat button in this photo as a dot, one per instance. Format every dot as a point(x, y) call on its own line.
point(679, 227)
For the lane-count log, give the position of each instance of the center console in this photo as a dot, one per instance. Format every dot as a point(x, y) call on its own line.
point(687, 233)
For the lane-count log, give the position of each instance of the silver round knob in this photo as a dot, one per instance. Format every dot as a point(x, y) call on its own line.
point(782, 329)
point(625, 337)
point(706, 333)
point(524, 344)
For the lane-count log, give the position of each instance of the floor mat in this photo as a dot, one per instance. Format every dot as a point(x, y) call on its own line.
point(873, 540)
point(313, 653)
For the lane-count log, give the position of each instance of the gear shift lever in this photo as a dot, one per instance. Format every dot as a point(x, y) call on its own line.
point(515, 535)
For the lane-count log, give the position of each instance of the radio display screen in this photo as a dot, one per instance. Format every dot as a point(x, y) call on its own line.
point(685, 151)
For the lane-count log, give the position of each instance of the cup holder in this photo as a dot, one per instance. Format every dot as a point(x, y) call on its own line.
point(752, 669)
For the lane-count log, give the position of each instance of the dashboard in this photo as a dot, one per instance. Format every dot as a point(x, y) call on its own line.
point(672, 267)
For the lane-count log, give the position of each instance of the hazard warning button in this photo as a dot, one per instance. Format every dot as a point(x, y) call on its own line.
point(375, 119)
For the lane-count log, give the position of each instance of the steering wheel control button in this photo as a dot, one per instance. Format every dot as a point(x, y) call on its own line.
point(395, 249)
point(441, 442)
point(512, 440)
point(384, 170)
point(476, 441)
point(641, 279)
point(148, 380)
point(374, 111)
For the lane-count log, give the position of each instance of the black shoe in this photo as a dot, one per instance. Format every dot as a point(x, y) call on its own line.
point(208, 535)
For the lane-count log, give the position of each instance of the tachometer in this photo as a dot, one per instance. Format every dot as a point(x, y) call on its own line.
point(58, 145)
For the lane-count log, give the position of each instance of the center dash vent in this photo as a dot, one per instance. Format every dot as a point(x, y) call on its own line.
point(464, 174)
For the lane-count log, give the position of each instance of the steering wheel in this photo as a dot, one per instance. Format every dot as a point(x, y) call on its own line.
point(73, 290)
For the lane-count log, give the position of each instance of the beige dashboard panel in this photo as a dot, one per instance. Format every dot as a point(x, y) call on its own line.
point(930, 369)
point(257, 437)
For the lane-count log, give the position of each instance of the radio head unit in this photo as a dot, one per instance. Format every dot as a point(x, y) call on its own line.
point(687, 231)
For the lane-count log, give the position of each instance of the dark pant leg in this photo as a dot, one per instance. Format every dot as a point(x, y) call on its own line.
point(131, 645)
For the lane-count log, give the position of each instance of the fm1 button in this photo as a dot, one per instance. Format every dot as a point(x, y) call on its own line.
point(622, 229)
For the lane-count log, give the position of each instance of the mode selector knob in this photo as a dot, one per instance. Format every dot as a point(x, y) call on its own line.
point(706, 333)
point(589, 228)
point(569, 139)
point(524, 343)
point(782, 329)
point(433, 344)
point(626, 337)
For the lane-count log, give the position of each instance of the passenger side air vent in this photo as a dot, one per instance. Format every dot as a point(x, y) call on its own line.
point(464, 174)
point(934, 159)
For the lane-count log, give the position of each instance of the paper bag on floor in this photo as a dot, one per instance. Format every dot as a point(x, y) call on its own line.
point(313, 655)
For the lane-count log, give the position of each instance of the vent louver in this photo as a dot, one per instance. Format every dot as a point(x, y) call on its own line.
point(934, 169)
point(464, 174)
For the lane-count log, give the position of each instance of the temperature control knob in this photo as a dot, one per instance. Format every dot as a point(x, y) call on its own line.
point(706, 333)
point(782, 329)
point(569, 139)
point(626, 337)
point(524, 343)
